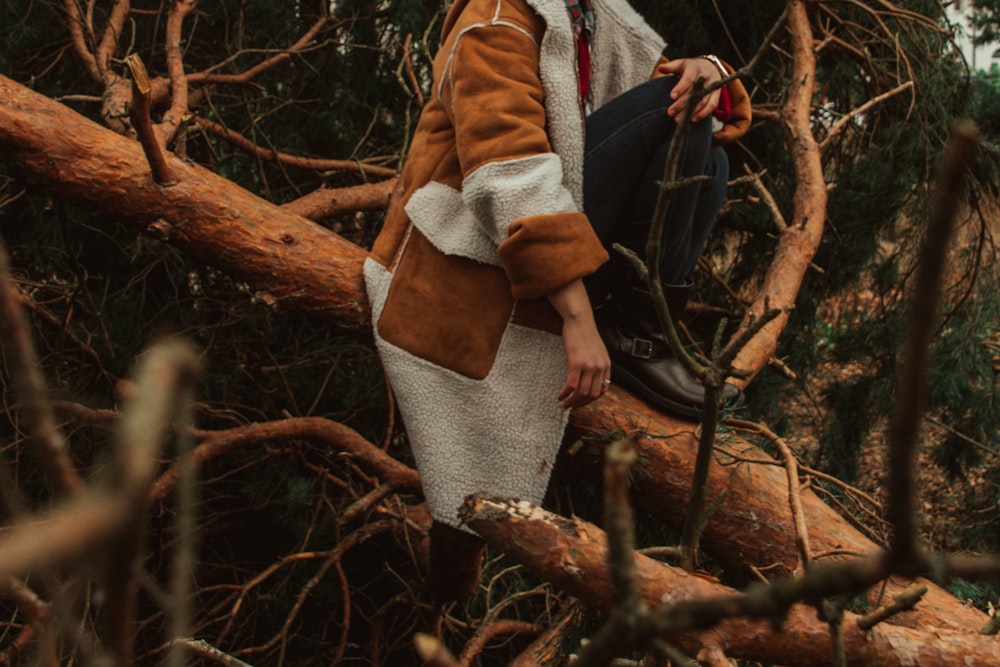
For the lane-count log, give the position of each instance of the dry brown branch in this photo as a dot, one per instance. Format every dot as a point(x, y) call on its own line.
point(549, 649)
point(903, 602)
point(45, 314)
point(754, 427)
point(185, 526)
point(406, 64)
point(209, 76)
point(489, 630)
point(314, 164)
point(72, 532)
point(167, 128)
point(903, 430)
point(765, 194)
point(47, 442)
point(35, 611)
point(364, 504)
point(143, 123)
point(333, 558)
point(327, 202)
point(108, 45)
point(215, 443)
point(79, 37)
point(617, 635)
point(794, 496)
point(205, 650)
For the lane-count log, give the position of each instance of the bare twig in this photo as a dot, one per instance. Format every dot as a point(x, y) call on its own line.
point(47, 443)
point(215, 443)
point(173, 117)
point(185, 522)
point(491, 629)
point(901, 510)
point(202, 648)
point(617, 634)
point(79, 36)
point(306, 40)
point(902, 602)
point(315, 164)
point(765, 194)
point(547, 648)
point(164, 378)
point(108, 45)
point(854, 113)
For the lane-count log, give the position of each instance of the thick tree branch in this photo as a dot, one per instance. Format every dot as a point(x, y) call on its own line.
point(327, 202)
point(205, 215)
point(800, 239)
point(215, 443)
point(573, 555)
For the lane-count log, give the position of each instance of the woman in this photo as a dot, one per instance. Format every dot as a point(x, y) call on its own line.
point(476, 282)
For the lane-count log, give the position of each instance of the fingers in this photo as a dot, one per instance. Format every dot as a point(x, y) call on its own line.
point(584, 388)
point(702, 109)
point(688, 72)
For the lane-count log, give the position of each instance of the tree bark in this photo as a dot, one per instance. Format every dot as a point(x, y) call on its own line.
point(294, 263)
point(753, 524)
point(298, 265)
point(800, 239)
point(573, 555)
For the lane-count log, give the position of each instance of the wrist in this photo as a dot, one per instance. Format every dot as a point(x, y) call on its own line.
point(723, 72)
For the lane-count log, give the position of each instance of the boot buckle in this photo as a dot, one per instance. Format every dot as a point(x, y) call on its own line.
point(642, 348)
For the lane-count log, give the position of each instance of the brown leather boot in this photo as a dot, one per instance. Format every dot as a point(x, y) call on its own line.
point(641, 358)
point(456, 561)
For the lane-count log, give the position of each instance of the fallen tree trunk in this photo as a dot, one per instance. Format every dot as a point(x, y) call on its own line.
point(298, 265)
point(573, 555)
point(753, 524)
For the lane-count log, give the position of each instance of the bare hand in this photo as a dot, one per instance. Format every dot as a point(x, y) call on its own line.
point(588, 362)
point(688, 71)
point(589, 366)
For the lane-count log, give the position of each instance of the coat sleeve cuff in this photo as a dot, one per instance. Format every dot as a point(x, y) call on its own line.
point(546, 252)
point(740, 116)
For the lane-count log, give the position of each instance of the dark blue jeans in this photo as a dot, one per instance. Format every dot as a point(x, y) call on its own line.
point(626, 149)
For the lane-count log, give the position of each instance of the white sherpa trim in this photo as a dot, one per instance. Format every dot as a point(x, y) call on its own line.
point(440, 213)
point(498, 193)
point(623, 50)
point(498, 435)
point(557, 63)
